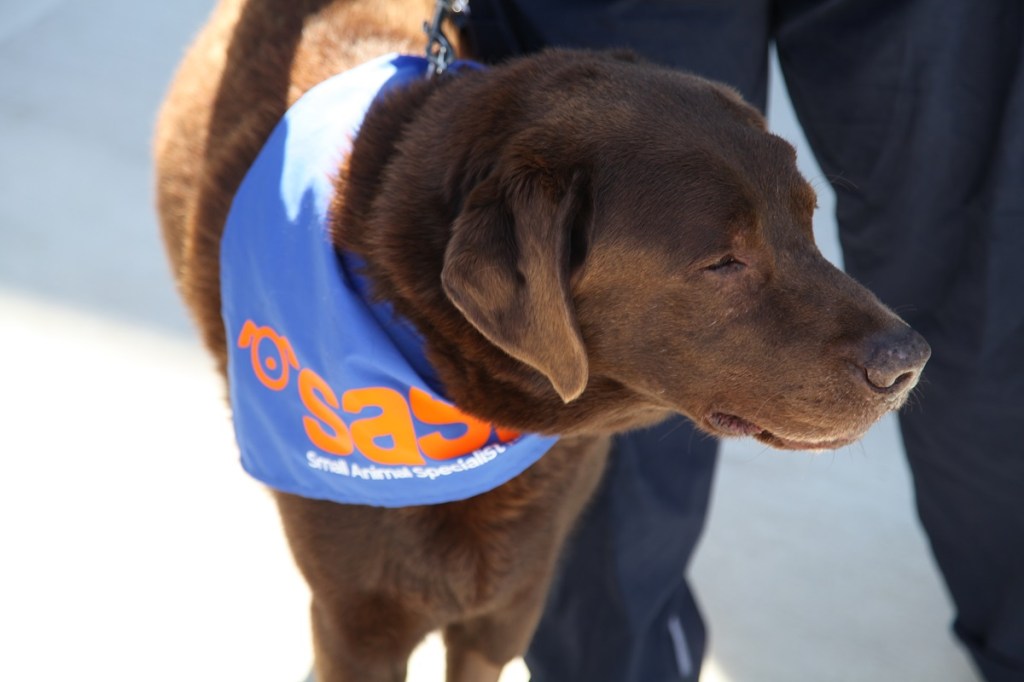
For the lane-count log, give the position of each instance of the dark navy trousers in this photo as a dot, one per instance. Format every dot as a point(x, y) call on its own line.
point(915, 112)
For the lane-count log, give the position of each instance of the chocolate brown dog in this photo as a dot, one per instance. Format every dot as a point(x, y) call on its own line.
point(586, 244)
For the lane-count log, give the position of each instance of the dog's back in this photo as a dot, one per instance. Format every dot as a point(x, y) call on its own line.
point(252, 61)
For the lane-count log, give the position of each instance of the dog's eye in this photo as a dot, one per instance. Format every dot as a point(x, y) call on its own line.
point(726, 264)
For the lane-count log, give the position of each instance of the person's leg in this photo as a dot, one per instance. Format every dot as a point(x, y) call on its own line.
point(724, 40)
point(915, 111)
point(621, 610)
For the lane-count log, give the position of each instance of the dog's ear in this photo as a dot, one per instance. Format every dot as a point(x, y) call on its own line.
point(507, 269)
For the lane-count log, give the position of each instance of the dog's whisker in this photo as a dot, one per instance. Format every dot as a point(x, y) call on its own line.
point(843, 181)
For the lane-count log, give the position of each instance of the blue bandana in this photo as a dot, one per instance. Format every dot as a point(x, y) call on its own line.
point(332, 396)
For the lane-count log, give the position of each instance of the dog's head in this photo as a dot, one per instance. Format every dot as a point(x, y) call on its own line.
point(626, 230)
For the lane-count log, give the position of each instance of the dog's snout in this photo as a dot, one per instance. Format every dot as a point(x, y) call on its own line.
point(894, 360)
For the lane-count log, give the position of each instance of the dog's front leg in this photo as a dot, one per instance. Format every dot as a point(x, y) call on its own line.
point(471, 666)
point(479, 648)
point(364, 640)
point(364, 626)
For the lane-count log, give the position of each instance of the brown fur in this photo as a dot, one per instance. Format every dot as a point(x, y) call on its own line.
point(559, 229)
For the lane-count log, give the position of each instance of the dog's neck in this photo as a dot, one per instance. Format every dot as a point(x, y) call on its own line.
point(419, 152)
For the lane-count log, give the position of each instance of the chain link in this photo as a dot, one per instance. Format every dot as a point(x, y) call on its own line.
point(440, 52)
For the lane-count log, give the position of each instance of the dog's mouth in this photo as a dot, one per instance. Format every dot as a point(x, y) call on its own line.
point(722, 424)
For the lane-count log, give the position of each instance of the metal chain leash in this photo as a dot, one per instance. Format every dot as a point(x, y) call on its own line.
point(440, 52)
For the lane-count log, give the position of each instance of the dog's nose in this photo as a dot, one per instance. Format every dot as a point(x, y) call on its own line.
point(894, 359)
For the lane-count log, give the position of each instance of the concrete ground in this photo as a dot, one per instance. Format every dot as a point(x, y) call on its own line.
point(133, 547)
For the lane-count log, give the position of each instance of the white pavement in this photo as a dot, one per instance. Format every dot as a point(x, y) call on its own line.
point(132, 547)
